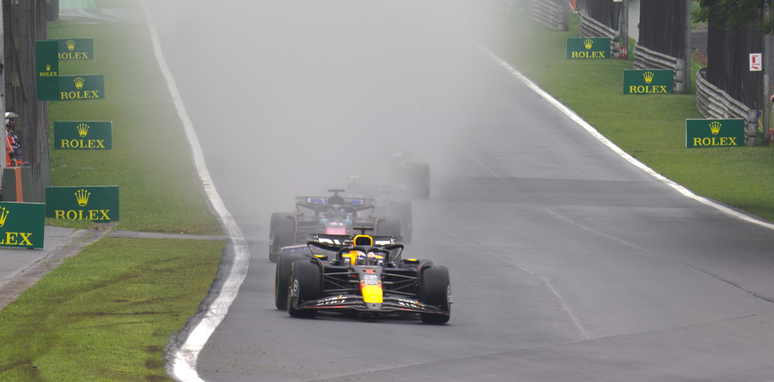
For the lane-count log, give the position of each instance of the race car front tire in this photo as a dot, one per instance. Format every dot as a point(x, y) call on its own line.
point(306, 284)
point(403, 211)
point(282, 232)
point(282, 279)
point(435, 289)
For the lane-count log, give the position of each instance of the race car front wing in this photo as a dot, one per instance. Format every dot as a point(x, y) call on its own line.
point(389, 304)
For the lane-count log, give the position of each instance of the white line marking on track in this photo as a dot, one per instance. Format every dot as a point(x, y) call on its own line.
point(575, 117)
point(544, 280)
point(183, 364)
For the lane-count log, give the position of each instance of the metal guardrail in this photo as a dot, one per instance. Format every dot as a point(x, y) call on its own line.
point(549, 12)
point(593, 28)
point(714, 102)
point(645, 58)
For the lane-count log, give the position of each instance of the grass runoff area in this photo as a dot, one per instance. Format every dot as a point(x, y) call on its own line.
point(106, 314)
point(651, 128)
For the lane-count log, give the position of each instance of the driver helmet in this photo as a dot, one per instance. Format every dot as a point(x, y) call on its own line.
point(359, 257)
point(335, 199)
point(369, 258)
point(375, 259)
point(339, 213)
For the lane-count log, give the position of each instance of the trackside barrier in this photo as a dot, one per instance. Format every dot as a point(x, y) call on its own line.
point(20, 185)
point(645, 58)
point(552, 13)
point(593, 28)
point(714, 102)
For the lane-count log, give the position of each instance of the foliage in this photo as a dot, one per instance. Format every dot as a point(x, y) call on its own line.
point(734, 14)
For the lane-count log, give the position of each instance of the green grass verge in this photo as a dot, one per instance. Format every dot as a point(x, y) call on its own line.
point(151, 161)
point(649, 127)
point(107, 313)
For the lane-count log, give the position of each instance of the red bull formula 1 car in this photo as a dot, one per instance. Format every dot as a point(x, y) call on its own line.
point(364, 275)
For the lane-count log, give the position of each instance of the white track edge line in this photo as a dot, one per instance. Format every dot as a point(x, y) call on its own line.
point(575, 117)
point(183, 363)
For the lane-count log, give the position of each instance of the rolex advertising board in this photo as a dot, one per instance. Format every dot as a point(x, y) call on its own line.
point(22, 225)
point(592, 47)
point(75, 48)
point(95, 203)
point(83, 86)
point(648, 81)
point(47, 70)
point(512, 7)
point(714, 132)
point(86, 135)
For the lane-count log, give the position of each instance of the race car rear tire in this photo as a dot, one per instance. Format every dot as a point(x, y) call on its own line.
point(403, 211)
point(282, 232)
point(416, 176)
point(306, 281)
point(282, 279)
point(388, 226)
point(435, 289)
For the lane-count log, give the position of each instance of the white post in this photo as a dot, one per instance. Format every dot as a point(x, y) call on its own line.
point(624, 25)
point(766, 106)
point(687, 46)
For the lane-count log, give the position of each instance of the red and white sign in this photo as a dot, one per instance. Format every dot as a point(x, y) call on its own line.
point(756, 62)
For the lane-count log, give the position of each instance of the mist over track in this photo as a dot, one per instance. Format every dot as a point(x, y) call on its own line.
point(567, 262)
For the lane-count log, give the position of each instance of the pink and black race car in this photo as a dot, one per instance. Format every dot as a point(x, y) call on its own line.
point(336, 215)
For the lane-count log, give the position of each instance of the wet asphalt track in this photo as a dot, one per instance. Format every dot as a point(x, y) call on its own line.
point(567, 262)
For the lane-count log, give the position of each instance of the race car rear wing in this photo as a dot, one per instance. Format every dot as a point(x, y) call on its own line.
point(338, 241)
point(317, 200)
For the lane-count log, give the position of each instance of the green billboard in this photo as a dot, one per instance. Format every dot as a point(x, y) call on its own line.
point(83, 86)
point(46, 70)
point(22, 225)
point(648, 81)
point(95, 203)
point(75, 48)
point(591, 47)
point(512, 7)
point(88, 135)
point(714, 132)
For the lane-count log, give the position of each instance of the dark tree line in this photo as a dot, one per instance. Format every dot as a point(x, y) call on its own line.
point(735, 14)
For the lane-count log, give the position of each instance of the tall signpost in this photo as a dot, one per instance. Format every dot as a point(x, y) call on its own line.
point(766, 65)
point(624, 26)
point(687, 47)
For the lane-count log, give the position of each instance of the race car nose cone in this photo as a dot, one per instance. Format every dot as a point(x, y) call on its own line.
point(373, 306)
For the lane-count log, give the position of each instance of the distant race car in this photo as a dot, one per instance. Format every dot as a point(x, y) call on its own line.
point(337, 215)
point(361, 274)
point(414, 175)
point(392, 200)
